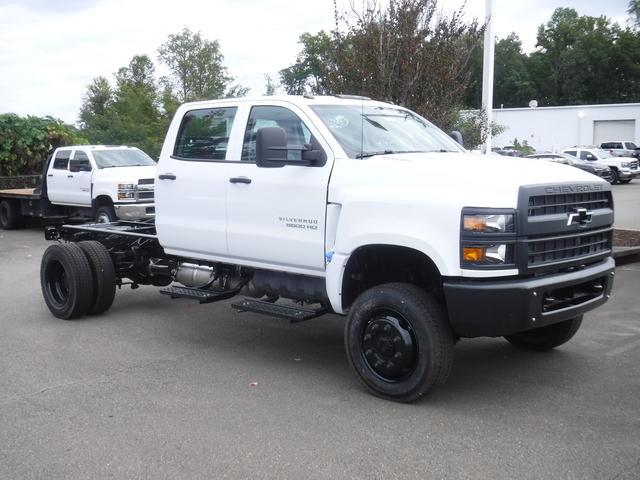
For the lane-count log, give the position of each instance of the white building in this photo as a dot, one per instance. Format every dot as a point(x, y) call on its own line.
point(554, 128)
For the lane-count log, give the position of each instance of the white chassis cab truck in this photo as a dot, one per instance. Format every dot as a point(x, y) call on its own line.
point(103, 182)
point(312, 205)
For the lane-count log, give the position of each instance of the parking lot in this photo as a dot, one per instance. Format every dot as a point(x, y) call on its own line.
point(627, 203)
point(161, 388)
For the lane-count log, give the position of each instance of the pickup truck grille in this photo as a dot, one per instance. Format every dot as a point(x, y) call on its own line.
point(568, 247)
point(146, 181)
point(561, 226)
point(633, 164)
point(566, 202)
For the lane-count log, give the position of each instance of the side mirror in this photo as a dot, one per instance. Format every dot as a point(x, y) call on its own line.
point(457, 136)
point(79, 166)
point(271, 147)
point(591, 157)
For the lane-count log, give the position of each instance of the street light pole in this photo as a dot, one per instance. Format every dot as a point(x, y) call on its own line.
point(487, 72)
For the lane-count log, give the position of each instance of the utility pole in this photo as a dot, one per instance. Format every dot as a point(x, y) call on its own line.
point(487, 72)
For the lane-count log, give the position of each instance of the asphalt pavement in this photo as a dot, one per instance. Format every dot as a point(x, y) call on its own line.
point(170, 389)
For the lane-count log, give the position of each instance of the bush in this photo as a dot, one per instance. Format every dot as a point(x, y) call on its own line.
point(25, 142)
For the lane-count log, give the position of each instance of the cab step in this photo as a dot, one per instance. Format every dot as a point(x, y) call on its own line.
point(203, 296)
point(293, 313)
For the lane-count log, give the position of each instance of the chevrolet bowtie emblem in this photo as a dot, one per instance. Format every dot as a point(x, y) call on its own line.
point(580, 216)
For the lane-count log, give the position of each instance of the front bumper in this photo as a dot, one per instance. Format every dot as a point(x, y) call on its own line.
point(134, 211)
point(502, 307)
point(625, 173)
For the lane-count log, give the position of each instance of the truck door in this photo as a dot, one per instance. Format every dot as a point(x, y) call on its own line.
point(276, 216)
point(190, 185)
point(57, 180)
point(79, 185)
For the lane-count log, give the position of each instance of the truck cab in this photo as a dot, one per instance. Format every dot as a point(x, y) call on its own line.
point(116, 181)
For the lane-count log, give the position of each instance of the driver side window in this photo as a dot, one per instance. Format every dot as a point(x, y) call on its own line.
point(296, 131)
point(204, 134)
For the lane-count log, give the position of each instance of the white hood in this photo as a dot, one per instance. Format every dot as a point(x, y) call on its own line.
point(127, 174)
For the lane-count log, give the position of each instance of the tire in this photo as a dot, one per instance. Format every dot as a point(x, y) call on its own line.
point(399, 342)
point(106, 214)
point(624, 182)
point(614, 176)
point(10, 216)
point(103, 274)
point(546, 338)
point(66, 281)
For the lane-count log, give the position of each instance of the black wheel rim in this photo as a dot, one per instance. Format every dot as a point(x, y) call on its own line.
point(389, 346)
point(55, 279)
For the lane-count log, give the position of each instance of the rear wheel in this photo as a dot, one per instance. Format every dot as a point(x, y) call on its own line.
point(546, 338)
point(399, 342)
point(66, 281)
point(10, 216)
point(103, 274)
point(106, 214)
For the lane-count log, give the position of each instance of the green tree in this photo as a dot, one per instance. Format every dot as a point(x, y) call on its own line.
point(25, 142)
point(406, 52)
point(270, 88)
point(634, 10)
point(196, 66)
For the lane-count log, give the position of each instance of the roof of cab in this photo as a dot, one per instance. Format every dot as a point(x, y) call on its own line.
point(98, 147)
point(296, 100)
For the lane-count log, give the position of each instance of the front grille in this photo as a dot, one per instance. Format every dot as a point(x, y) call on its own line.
point(567, 202)
point(634, 164)
point(559, 248)
point(146, 181)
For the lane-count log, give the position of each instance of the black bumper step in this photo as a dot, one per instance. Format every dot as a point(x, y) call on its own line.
point(293, 313)
point(203, 296)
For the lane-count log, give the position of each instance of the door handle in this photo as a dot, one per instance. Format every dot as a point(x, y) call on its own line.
point(50, 175)
point(69, 176)
point(246, 180)
point(167, 176)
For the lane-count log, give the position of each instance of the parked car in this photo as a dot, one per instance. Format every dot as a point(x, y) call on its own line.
point(602, 171)
point(351, 206)
point(623, 169)
point(621, 149)
point(105, 183)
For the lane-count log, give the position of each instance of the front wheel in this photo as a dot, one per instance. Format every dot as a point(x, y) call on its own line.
point(105, 214)
point(615, 178)
point(399, 342)
point(546, 338)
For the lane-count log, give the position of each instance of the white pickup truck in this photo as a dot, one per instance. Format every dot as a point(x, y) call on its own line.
point(313, 205)
point(106, 183)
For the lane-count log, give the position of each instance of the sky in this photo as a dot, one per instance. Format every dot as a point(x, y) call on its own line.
point(50, 50)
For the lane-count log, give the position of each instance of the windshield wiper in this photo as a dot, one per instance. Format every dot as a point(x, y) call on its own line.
point(386, 152)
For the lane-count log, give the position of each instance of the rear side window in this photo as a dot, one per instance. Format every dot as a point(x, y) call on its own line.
point(204, 134)
point(571, 152)
point(61, 159)
point(606, 145)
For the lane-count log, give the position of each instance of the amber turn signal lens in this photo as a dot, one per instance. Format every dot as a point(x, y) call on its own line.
point(474, 254)
point(475, 223)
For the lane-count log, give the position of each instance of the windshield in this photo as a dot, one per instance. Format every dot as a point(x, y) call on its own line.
point(631, 145)
point(601, 153)
point(366, 131)
point(121, 158)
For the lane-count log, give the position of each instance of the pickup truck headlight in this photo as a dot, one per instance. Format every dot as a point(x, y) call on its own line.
point(126, 191)
point(488, 223)
point(626, 165)
point(487, 238)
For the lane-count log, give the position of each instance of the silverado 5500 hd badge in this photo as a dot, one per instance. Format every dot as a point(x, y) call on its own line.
point(303, 223)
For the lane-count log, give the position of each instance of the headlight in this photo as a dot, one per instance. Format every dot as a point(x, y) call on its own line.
point(126, 191)
point(488, 223)
point(626, 164)
point(487, 238)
